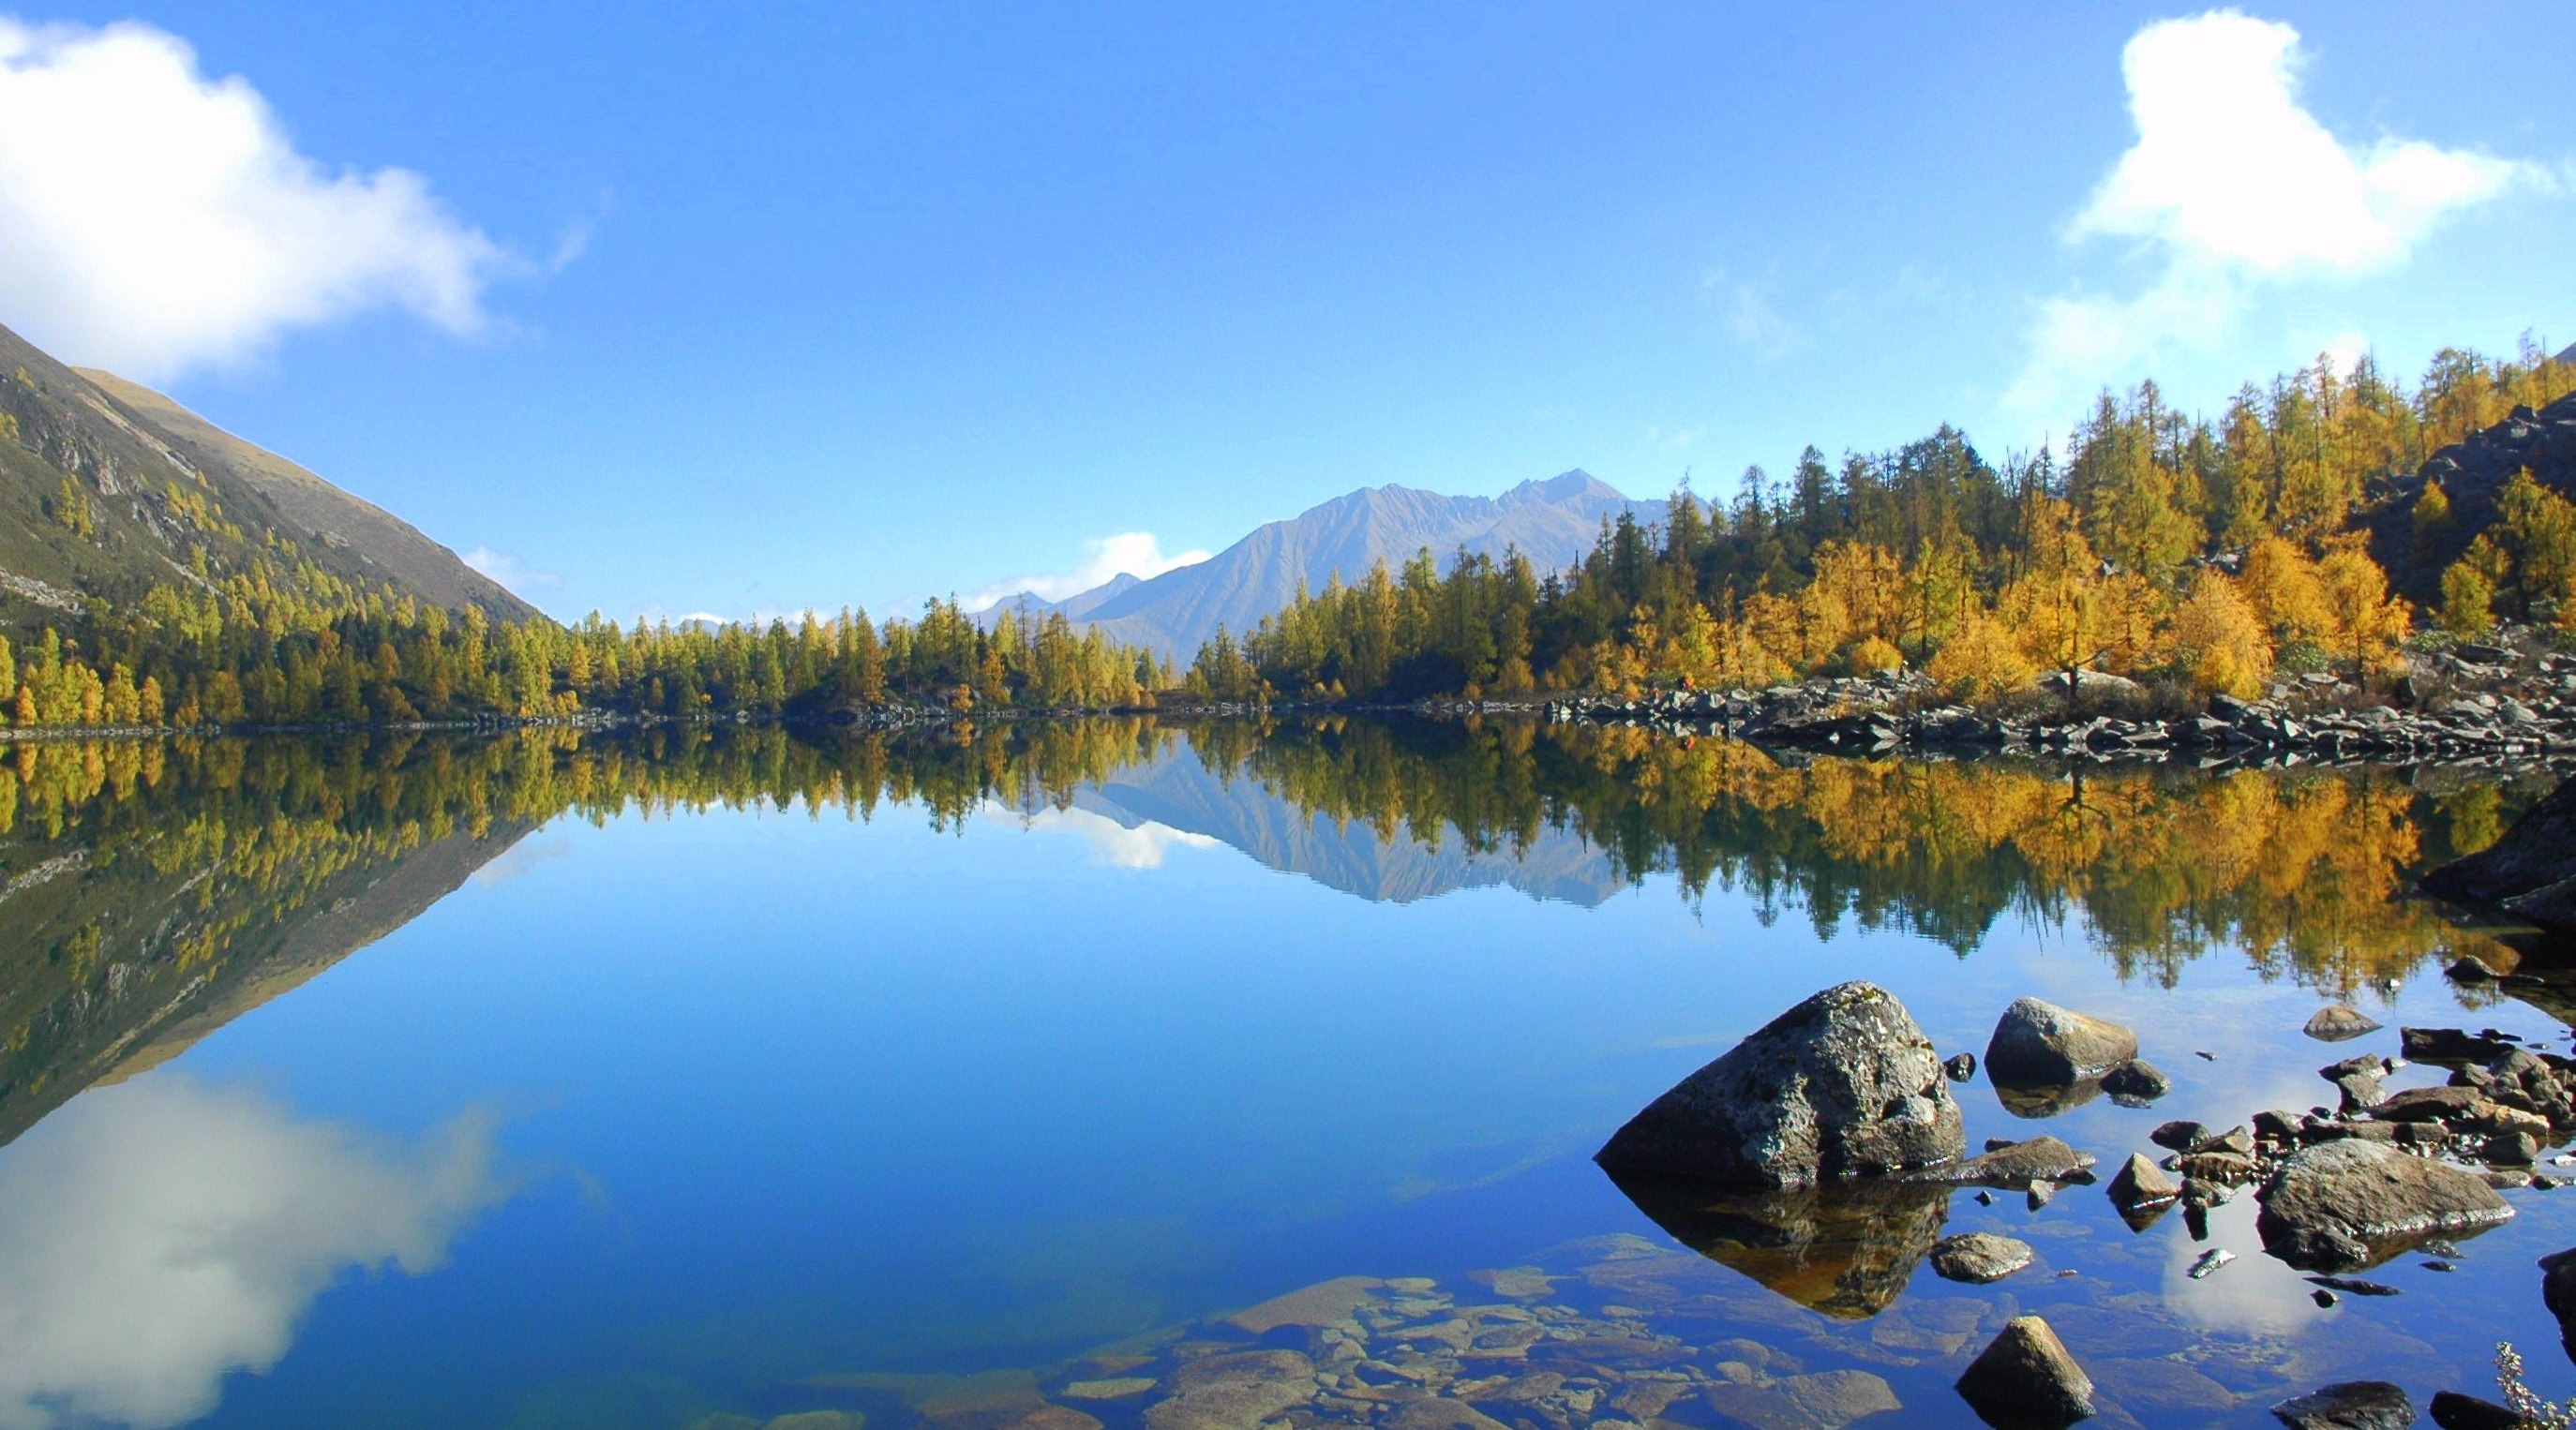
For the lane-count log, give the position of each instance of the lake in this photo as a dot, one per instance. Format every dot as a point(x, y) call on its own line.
point(978, 1078)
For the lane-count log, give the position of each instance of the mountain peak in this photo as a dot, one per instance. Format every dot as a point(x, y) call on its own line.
point(1573, 486)
point(1552, 522)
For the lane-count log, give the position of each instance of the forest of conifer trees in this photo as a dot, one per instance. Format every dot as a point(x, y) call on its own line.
point(260, 657)
point(2205, 553)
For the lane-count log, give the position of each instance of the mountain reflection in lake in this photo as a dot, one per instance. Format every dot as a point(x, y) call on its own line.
point(934, 1076)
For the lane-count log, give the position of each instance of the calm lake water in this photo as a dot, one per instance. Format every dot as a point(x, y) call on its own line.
point(656, 1079)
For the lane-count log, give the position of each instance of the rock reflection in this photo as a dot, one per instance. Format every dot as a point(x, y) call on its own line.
point(1844, 1250)
point(158, 1235)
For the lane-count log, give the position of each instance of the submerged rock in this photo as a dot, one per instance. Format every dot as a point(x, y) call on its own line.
point(2338, 1023)
point(2346, 1204)
point(1825, 1401)
point(1842, 1084)
point(1234, 1392)
point(2039, 1044)
point(1979, 1257)
point(1323, 1304)
point(2026, 1378)
point(1844, 1249)
point(1112, 1388)
point(2352, 1405)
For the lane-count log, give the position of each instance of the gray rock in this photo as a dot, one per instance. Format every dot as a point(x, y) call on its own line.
point(1960, 1067)
point(2428, 1104)
point(2180, 1136)
point(2352, 1405)
point(2136, 1080)
point(2339, 1023)
point(2558, 1293)
point(2350, 1203)
point(2454, 1411)
point(2141, 1183)
point(1979, 1257)
point(2025, 1377)
point(1842, 1084)
point(2041, 1044)
point(2041, 1161)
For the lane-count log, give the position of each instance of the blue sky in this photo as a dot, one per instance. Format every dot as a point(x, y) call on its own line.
point(778, 306)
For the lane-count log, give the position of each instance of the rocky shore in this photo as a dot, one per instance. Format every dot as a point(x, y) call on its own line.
point(2497, 703)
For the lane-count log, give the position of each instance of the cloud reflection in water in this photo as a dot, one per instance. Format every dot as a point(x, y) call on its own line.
point(160, 1234)
point(1139, 846)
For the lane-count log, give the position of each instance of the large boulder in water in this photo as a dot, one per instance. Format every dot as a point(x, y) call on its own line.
point(1843, 1084)
point(2038, 1044)
point(2337, 1206)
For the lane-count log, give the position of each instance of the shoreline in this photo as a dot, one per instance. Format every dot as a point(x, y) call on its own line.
point(2478, 705)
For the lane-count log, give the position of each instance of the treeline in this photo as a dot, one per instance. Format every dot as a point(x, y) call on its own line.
point(245, 652)
point(2203, 552)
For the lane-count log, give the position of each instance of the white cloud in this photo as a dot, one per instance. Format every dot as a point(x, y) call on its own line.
point(2232, 183)
point(1749, 317)
point(507, 569)
point(153, 219)
point(1142, 846)
point(1132, 553)
point(158, 1235)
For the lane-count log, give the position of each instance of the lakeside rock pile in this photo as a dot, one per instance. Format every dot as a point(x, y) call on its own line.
point(2473, 702)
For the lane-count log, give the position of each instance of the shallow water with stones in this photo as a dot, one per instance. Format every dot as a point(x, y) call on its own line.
point(1175, 1076)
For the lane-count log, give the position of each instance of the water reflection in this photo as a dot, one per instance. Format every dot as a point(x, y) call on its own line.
point(822, 1132)
point(158, 1235)
point(1847, 1251)
point(154, 890)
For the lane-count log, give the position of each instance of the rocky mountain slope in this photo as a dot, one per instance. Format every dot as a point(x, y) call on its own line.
point(383, 543)
point(108, 489)
point(2473, 473)
point(1553, 522)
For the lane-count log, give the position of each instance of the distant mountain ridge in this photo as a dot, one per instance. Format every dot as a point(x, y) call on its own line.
point(1037, 608)
point(1552, 522)
point(108, 489)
